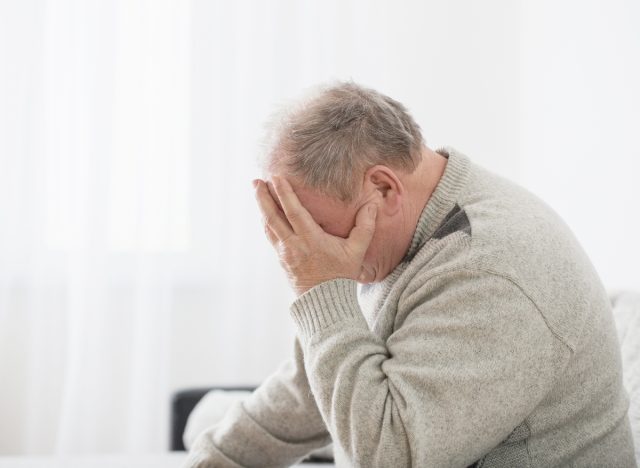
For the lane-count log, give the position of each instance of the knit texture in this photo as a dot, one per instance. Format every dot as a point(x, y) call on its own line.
point(492, 344)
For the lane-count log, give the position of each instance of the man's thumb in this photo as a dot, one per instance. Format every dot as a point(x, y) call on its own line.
point(362, 233)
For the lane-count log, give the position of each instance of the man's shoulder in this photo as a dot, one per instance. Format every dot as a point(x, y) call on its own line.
point(535, 253)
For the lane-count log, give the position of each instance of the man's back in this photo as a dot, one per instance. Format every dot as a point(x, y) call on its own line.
point(584, 416)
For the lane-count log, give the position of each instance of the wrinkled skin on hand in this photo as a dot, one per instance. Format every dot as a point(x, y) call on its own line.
point(308, 254)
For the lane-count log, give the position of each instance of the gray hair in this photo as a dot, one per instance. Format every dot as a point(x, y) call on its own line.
point(330, 138)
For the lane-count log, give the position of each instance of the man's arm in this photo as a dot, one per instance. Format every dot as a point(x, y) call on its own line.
point(277, 425)
point(472, 359)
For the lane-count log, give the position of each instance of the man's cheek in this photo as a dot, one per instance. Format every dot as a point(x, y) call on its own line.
point(338, 231)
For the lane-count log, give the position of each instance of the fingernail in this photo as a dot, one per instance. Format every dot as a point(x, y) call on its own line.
point(255, 183)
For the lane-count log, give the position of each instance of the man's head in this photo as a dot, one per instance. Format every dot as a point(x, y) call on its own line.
point(344, 147)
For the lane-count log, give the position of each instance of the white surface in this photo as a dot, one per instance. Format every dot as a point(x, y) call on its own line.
point(98, 461)
point(109, 461)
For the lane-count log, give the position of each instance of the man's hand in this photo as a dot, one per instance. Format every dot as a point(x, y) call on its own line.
point(308, 254)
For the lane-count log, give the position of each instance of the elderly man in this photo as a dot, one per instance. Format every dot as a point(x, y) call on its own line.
point(481, 336)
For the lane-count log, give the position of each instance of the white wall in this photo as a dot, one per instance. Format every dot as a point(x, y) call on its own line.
point(580, 123)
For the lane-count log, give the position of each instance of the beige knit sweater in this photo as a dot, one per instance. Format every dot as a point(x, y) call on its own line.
point(492, 344)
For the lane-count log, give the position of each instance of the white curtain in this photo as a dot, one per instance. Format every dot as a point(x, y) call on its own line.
point(132, 260)
point(95, 216)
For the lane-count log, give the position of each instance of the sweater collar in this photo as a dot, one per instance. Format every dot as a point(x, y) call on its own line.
point(442, 200)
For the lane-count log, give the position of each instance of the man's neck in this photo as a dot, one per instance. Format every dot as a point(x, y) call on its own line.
point(421, 184)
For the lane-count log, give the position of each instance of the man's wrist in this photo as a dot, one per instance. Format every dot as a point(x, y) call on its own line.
point(324, 305)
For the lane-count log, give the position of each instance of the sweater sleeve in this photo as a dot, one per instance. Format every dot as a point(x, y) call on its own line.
point(277, 425)
point(470, 357)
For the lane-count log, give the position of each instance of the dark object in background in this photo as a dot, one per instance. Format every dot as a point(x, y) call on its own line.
point(182, 405)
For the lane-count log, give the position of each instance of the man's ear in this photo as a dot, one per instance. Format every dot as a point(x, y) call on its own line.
point(385, 187)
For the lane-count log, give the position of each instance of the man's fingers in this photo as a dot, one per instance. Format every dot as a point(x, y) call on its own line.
point(297, 215)
point(273, 218)
point(273, 239)
point(362, 233)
